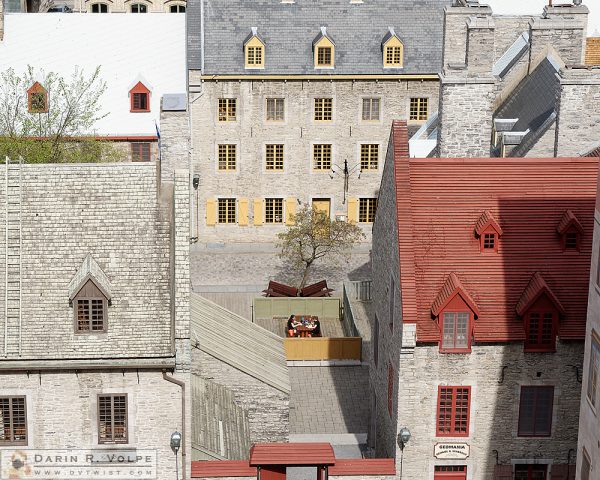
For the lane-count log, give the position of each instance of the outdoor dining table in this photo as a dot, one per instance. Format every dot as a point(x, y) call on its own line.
point(306, 330)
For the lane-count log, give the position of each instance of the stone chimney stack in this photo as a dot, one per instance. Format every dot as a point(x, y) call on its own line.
point(480, 44)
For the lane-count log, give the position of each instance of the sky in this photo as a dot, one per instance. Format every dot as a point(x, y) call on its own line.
point(507, 7)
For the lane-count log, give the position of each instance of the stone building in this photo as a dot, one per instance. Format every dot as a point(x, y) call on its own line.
point(480, 313)
point(291, 104)
point(515, 85)
point(241, 386)
point(139, 81)
point(588, 454)
point(94, 329)
point(126, 6)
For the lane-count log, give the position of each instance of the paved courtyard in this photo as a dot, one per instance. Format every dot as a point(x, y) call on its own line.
point(329, 400)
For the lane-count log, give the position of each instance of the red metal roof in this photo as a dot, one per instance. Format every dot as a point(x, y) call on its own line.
point(451, 288)
point(568, 220)
point(223, 468)
point(291, 454)
point(364, 467)
point(438, 200)
point(487, 220)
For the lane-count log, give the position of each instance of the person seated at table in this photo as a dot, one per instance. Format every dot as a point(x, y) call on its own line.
point(317, 331)
point(291, 330)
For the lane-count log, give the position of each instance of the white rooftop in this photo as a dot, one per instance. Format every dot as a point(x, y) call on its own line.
point(128, 48)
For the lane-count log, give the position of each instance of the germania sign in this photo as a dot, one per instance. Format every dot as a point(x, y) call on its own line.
point(451, 451)
point(34, 464)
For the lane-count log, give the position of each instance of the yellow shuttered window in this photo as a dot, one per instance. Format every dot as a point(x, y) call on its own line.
point(352, 210)
point(243, 211)
point(290, 210)
point(211, 211)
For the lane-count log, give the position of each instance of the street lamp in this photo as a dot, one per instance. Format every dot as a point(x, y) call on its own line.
point(175, 446)
point(403, 438)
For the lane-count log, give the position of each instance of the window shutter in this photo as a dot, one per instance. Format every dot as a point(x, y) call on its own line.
point(211, 211)
point(258, 211)
point(243, 211)
point(503, 472)
point(352, 210)
point(290, 210)
point(563, 472)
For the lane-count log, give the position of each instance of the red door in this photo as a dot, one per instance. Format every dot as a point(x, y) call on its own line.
point(450, 472)
point(531, 472)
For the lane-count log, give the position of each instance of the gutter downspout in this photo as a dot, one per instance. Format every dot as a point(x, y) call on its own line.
point(182, 385)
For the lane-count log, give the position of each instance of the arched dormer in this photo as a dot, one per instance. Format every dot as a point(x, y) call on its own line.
point(139, 97)
point(455, 311)
point(540, 310)
point(570, 230)
point(488, 230)
point(254, 50)
point(393, 50)
point(324, 50)
point(37, 99)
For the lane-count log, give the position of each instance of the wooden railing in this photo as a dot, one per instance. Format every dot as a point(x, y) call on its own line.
point(323, 348)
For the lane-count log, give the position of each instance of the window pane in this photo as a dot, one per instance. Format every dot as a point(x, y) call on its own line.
point(535, 412)
point(449, 328)
point(273, 210)
point(418, 109)
point(83, 315)
point(322, 157)
point(594, 368)
point(445, 411)
point(227, 111)
point(274, 157)
point(323, 109)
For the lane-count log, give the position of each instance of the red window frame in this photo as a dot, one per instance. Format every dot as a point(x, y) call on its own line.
point(541, 328)
point(453, 410)
point(529, 469)
point(141, 152)
point(390, 392)
point(450, 472)
point(454, 348)
point(139, 97)
point(488, 234)
point(536, 430)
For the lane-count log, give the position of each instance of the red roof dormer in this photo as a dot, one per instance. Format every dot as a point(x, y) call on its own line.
point(488, 230)
point(455, 310)
point(139, 97)
point(37, 99)
point(570, 230)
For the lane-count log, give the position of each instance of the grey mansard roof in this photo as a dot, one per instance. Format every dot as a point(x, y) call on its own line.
point(288, 30)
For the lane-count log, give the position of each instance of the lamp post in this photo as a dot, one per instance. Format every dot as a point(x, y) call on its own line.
point(175, 445)
point(403, 438)
point(346, 172)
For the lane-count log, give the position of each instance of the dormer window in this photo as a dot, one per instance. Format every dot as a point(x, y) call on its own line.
point(89, 295)
point(488, 230)
point(37, 99)
point(139, 8)
point(140, 98)
point(324, 50)
point(254, 50)
point(540, 310)
point(89, 307)
point(455, 311)
point(393, 50)
point(99, 8)
point(570, 230)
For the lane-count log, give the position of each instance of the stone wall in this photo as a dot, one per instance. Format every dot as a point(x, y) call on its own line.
point(578, 129)
point(267, 407)
point(111, 212)
point(465, 116)
point(385, 262)
point(62, 410)
point(174, 143)
point(495, 374)
point(298, 133)
point(589, 423)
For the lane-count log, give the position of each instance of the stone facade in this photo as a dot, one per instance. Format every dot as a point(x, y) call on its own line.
point(174, 143)
point(125, 6)
point(578, 121)
point(298, 132)
point(589, 423)
point(108, 216)
point(267, 408)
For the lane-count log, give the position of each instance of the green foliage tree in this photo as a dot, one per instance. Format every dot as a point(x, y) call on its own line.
point(315, 236)
point(62, 131)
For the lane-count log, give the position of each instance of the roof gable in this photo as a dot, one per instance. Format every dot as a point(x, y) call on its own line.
point(567, 221)
point(323, 38)
point(254, 36)
point(239, 343)
point(90, 270)
point(536, 287)
point(391, 37)
point(487, 220)
point(451, 288)
point(36, 88)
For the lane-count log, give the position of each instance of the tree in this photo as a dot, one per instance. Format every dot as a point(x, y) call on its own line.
point(58, 128)
point(314, 236)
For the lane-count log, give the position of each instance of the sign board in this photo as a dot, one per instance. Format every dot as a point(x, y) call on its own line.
point(451, 451)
